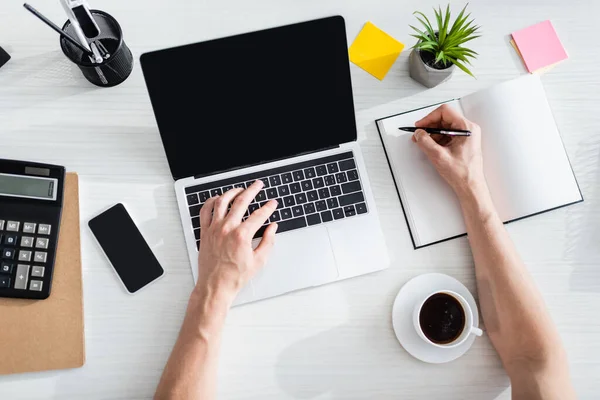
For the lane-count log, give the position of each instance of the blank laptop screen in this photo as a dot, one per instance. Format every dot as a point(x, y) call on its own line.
point(252, 98)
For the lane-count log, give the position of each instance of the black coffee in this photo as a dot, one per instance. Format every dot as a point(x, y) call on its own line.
point(442, 318)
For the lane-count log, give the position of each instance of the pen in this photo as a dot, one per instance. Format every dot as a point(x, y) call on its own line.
point(448, 132)
point(56, 28)
point(76, 27)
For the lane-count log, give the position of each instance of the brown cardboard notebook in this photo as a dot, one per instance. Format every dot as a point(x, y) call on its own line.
point(39, 335)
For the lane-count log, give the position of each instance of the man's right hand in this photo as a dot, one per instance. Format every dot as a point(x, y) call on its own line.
point(227, 259)
point(458, 159)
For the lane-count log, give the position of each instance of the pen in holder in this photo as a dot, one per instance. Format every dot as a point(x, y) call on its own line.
point(117, 60)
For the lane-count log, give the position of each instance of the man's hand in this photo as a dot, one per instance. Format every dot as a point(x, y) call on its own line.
point(457, 159)
point(226, 260)
point(513, 310)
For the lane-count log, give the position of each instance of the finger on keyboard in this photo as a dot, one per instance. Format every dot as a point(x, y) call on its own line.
point(223, 202)
point(243, 200)
point(206, 213)
point(259, 217)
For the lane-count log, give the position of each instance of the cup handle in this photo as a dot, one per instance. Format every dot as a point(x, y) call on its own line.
point(476, 331)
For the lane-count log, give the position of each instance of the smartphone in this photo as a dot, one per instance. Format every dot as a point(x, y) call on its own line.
point(125, 248)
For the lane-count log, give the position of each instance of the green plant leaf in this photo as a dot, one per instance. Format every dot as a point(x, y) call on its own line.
point(464, 32)
point(467, 51)
point(461, 66)
point(458, 56)
point(440, 22)
point(425, 46)
point(427, 43)
point(446, 46)
point(420, 32)
point(438, 17)
point(427, 31)
point(468, 39)
point(419, 36)
point(458, 22)
point(441, 31)
point(426, 24)
point(461, 40)
point(444, 30)
point(421, 39)
point(439, 57)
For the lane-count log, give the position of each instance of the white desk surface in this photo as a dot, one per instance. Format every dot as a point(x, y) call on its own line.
point(332, 342)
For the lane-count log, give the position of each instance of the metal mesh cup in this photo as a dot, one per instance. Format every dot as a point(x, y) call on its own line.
point(115, 68)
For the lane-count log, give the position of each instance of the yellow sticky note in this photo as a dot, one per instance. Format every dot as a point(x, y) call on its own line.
point(375, 51)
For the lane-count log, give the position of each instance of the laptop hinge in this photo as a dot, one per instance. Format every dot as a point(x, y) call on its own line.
point(263, 162)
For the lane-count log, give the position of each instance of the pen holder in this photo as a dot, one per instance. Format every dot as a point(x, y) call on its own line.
point(117, 58)
point(4, 57)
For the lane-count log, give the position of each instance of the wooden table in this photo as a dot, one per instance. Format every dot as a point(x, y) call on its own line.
point(332, 342)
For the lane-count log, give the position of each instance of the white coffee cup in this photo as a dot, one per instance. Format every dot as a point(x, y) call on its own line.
point(468, 328)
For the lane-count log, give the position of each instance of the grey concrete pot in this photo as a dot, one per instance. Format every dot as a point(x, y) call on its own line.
point(426, 75)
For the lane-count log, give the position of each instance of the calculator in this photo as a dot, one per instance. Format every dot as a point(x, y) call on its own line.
point(31, 201)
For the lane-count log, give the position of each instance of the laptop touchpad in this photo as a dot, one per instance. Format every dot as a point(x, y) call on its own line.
point(299, 259)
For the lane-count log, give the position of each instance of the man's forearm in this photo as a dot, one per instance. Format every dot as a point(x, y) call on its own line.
point(514, 313)
point(513, 310)
point(191, 370)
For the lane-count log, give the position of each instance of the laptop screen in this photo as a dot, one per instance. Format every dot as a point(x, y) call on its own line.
point(252, 98)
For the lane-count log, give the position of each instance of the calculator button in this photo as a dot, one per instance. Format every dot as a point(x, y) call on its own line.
point(26, 241)
point(4, 282)
point(44, 229)
point(40, 256)
point(24, 255)
point(22, 277)
point(1, 224)
point(29, 227)
point(35, 286)
point(8, 254)
point(13, 226)
point(41, 243)
point(37, 272)
point(10, 240)
point(6, 268)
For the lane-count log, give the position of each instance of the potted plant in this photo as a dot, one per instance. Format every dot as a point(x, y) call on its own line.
point(438, 51)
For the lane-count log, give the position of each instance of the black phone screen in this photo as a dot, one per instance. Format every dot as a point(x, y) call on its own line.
point(125, 248)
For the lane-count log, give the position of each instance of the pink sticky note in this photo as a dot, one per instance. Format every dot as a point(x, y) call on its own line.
point(539, 46)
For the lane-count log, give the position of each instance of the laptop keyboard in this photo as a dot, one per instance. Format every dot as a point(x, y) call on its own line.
point(308, 193)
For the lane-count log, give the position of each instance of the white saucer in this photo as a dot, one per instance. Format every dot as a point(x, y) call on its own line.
point(402, 317)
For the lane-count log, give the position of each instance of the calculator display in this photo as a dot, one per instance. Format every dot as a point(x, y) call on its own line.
point(30, 187)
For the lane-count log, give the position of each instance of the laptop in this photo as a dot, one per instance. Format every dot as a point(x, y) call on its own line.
point(274, 105)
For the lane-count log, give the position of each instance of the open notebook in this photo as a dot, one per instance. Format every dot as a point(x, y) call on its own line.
point(526, 166)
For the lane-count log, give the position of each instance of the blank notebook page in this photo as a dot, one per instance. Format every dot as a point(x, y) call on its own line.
point(525, 162)
point(431, 207)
